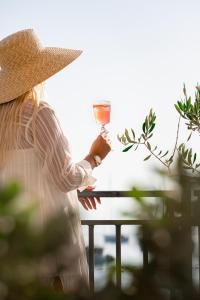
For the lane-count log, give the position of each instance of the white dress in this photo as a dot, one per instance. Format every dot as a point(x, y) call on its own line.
point(43, 164)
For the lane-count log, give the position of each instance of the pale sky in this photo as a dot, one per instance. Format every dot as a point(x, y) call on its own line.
point(137, 54)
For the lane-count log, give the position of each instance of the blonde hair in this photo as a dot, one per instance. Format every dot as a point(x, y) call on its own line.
point(11, 129)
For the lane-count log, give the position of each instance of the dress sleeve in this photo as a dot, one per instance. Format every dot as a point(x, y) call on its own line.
point(53, 148)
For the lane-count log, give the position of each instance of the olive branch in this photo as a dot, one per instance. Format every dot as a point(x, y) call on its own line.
point(188, 111)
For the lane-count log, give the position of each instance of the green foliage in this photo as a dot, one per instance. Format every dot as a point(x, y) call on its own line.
point(168, 241)
point(149, 124)
point(188, 111)
point(24, 249)
point(130, 140)
point(28, 254)
point(188, 158)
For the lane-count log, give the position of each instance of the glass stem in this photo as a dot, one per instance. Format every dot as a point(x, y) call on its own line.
point(103, 129)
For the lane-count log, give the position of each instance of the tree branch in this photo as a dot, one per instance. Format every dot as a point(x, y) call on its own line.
point(176, 142)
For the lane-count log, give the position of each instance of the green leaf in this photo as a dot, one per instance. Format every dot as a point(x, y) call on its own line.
point(119, 138)
point(148, 146)
point(190, 156)
point(144, 127)
point(189, 136)
point(180, 146)
point(127, 136)
point(184, 161)
point(155, 148)
point(180, 105)
point(147, 122)
point(153, 118)
point(133, 133)
point(179, 111)
point(152, 127)
point(128, 148)
point(170, 160)
point(184, 90)
point(184, 153)
point(194, 159)
point(149, 136)
point(188, 103)
point(123, 139)
point(165, 154)
point(146, 158)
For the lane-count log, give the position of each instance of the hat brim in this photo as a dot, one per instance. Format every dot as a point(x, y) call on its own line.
point(48, 62)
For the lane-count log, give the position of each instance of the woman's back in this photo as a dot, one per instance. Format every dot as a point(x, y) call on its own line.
point(27, 165)
point(31, 164)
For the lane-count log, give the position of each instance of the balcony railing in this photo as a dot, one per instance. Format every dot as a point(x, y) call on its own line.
point(118, 224)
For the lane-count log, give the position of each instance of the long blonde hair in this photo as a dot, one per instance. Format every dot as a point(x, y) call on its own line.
point(11, 114)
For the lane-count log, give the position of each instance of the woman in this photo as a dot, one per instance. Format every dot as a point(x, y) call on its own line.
point(33, 148)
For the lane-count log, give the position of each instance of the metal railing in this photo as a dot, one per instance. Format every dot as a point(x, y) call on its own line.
point(118, 224)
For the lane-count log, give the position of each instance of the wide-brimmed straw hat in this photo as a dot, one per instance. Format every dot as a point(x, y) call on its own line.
point(24, 63)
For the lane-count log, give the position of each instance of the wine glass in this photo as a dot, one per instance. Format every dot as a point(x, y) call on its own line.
point(102, 111)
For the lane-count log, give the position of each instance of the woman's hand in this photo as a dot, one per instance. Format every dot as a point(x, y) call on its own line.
point(101, 146)
point(89, 202)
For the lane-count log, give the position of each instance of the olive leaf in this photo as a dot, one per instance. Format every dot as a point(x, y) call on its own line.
point(128, 148)
point(128, 137)
point(189, 136)
point(165, 154)
point(148, 146)
point(194, 159)
point(144, 127)
point(146, 158)
point(133, 133)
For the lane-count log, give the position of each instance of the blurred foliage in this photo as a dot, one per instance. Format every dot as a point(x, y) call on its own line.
point(28, 255)
point(166, 241)
point(167, 244)
point(188, 111)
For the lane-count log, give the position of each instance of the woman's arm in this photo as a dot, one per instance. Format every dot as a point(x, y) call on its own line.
point(53, 149)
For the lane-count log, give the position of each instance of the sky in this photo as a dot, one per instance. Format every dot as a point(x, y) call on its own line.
point(136, 54)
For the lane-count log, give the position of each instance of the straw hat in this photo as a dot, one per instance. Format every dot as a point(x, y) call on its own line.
point(24, 63)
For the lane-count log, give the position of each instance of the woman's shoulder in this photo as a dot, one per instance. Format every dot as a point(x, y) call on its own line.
point(40, 110)
point(45, 110)
point(45, 105)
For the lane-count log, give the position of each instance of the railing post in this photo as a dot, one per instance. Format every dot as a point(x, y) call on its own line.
point(199, 253)
point(118, 255)
point(197, 194)
point(91, 257)
point(145, 250)
point(187, 213)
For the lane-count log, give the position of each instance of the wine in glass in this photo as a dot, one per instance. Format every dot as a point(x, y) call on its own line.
point(102, 113)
